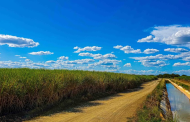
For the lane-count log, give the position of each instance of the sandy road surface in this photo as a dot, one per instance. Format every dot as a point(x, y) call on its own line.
point(116, 108)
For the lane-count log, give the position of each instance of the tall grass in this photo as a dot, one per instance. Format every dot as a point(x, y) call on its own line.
point(184, 81)
point(184, 78)
point(182, 84)
point(25, 89)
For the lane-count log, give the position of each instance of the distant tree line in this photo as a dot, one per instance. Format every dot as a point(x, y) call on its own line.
point(168, 75)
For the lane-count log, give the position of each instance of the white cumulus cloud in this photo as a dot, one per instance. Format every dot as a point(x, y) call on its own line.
point(118, 47)
point(157, 63)
point(176, 50)
point(150, 51)
point(147, 39)
point(76, 47)
point(127, 65)
point(14, 41)
point(159, 56)
point(99, 56)
point(63, 58)
point(143, 72)
point(185, 56)
point(22, 57)
point(183, 72)
point(50, 61)
point(106, 63)
point(127, 49)
point(182, 64)
point(87, 48)
point(41, 53)
point(170, 35)
point(106, 56)
point(79, 61)
point(27, 60)
point(186, 59)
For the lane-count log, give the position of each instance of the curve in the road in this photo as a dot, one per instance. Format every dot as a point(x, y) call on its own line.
point(116, 108)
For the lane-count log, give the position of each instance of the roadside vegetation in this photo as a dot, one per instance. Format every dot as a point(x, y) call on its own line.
point(183, 78)
point(150, 109)
point(28, 89)
point(168, 75)
point(182, 82)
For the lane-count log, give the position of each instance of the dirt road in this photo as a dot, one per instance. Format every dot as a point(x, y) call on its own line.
point(116, 108)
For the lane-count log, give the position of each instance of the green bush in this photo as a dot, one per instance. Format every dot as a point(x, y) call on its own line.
point(182, 85)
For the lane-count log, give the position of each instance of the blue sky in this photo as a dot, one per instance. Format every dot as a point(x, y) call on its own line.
point(138, 37)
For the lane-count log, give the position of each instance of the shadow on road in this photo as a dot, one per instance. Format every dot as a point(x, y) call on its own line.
point(64, 107)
